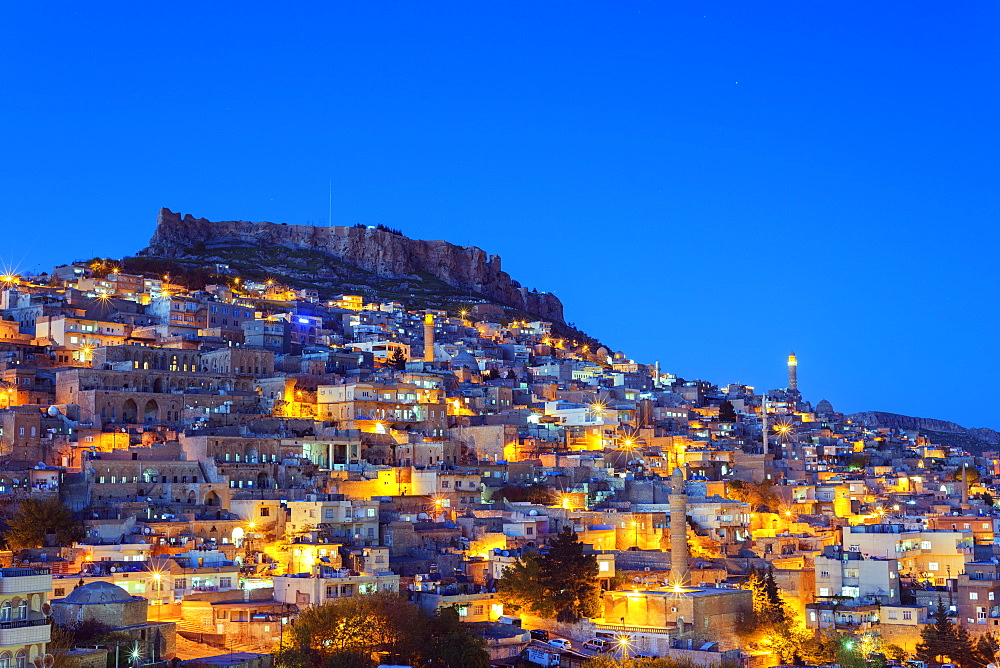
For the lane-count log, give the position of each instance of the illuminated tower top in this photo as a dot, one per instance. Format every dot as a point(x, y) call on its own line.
point(793, 381)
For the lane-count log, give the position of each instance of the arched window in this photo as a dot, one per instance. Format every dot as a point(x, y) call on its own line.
point(22, 609)
point(22, 660)
point(5, 660)
point(5, 612)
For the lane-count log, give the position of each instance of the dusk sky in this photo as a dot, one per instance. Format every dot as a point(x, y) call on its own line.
point(707, 184)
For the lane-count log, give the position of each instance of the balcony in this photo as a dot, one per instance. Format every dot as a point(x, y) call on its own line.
point(24, 632)
point(24, 580)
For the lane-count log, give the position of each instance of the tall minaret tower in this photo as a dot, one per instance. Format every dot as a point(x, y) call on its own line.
point(678, 530)
point(793, 380)
point(428, 337)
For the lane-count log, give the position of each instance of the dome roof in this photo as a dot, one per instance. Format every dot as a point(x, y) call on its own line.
point(98, 592)
point(824, 407)
point(465, 359)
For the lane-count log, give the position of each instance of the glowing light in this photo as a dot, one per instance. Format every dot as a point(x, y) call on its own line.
point(788, 513)
point(678, 589)
point(252, 526)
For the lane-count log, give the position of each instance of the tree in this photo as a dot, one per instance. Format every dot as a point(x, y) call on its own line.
point(944, 639)
point(454, 645)
point(561, 582)
point(727, 412)
point(988, 499)
point(987, 646)
point(570, 577)
point(397, 360)
point(768, 606)
point(519, 587)
point(350, 631)
point(35, 520)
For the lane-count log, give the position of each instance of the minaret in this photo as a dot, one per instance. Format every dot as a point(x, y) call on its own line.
point(793, 380)
point(678, 530)
point(428, 337)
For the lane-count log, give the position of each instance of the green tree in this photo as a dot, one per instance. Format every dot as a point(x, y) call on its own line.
point(38, 522)
point(453, 644)
point(570, 577)
point(351, 632)
point(562, 582)
point(727, 412)
point(520, 588)
point(988, 499)
point(944, 639)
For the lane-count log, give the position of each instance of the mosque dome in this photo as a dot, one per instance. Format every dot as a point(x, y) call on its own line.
point(824, 407)
point(465, 359)
point(98, 592)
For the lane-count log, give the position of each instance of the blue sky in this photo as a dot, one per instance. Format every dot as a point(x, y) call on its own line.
point(707, 184)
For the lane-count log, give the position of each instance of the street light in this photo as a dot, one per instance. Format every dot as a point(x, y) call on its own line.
point(623, 643)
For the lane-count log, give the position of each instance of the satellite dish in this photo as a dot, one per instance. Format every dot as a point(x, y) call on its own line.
point(113, 569)
point(52, 411)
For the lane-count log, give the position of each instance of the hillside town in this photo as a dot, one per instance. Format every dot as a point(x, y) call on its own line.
point(193, 473)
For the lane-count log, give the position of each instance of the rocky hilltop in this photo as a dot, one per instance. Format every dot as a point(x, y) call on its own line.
point(383, 253)
point(940, 431)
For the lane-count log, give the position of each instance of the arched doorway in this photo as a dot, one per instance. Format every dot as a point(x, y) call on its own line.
point(151, 412)
point(130, 412)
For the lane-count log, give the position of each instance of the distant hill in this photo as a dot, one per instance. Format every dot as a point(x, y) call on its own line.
point(358, 253)
point(378, 263)
point(938, 431)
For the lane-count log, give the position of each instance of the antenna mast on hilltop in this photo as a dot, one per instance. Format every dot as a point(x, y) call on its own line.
point(329, 221)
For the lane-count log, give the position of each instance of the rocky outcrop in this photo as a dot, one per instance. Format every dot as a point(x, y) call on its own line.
point(983, 436)
point(377, 251)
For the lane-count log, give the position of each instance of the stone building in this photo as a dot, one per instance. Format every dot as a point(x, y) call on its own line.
point(111, 605)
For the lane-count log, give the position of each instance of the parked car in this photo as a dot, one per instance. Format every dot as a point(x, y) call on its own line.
point(598, 645)
point(561, 643)
point(539, 634)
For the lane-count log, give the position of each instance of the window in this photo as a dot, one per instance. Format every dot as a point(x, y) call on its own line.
point(22, 609)
point(973, 596)
point(824, 591)
point(371, 512)
point(892, 614)
point(5, 612)
point(22, 660)
point(907, 614)
point(991, 596)
point(824, 574)
point(265, 512)
point(925, 545)
point(59, 591)
point(225, 583)
point(5, 660)
point(932, 566)
point(180, 583)
point(851, 573)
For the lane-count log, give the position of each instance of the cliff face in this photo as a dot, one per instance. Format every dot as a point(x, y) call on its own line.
point(376, 251)
point(981, 436)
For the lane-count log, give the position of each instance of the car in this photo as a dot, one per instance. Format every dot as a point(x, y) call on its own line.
point(539, 634)
point(561, 643)
point(598, 644)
